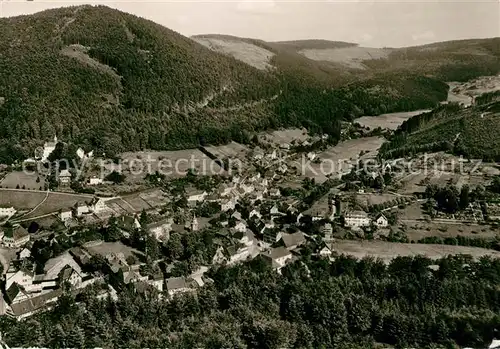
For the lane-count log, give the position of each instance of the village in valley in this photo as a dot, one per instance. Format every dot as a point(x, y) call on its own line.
point(76, 228)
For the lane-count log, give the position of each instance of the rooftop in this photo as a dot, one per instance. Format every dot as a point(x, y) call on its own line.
point(16, 233)
point(295, 239)
point(357, 214)
point(176, 283)
point(278, 252)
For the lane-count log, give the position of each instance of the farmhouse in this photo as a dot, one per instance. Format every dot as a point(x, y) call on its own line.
point(357, 219)
point(16, 237)
point(228, 204)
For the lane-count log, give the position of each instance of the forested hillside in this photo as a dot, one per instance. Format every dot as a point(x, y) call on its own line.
point(350, 304)
point(110, 81)
point(471, 132)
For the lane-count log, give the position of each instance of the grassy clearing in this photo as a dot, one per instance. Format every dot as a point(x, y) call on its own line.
point(388, 250)
point(339, 158)
point(19, 179)
point(389, 121)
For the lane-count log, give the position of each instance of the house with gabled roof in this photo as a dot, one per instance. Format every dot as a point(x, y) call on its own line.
point(177, 285)
point(294, 240)
point(277, 257)
point(161, 229)
point(381, 221)
point(15, 237)
point(33, 305)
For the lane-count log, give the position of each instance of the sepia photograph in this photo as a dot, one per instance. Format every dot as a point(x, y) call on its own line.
point(268, 174)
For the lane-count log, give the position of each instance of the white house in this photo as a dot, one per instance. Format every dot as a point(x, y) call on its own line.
point(228, 204)
point(80, 153)
point(25, 253)
point(66, 215)
point(95, 181)
point(48, 148)
point(278, 257)
point(357, 219)
point(219, 256)
point(161, 230)
point(381, 221)
point(7, 211)
point(325, 251)
point(23, 278)
point(255, 213)
point(98, 205)
point(196, 196)
point(82, 209)
point(275, 210)
point(240, 226)
point(31, 306)
point(247, 188)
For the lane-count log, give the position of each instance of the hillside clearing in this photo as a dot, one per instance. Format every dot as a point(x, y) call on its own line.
point(250, 54)
point(351, 57)
point(389, 121)
point(388, 250)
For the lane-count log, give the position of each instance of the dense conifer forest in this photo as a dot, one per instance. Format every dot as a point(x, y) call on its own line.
point(348, 303)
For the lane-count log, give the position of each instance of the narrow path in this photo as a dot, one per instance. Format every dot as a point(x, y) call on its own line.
point(37, 206)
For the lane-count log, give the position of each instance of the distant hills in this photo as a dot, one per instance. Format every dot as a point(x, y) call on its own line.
point(111, 81)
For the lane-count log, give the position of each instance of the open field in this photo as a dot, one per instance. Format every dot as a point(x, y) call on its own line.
point(253, 55)
point(56, 201)
point(28, 200)
point(389, 121)
point(419, 230)
point(145, 200)
point(22, 180)
point(285, 136)
point(463, 92)
point(105, 248)
point(232, 150)
point(351, 57)
point(21, 200)
point(370, 199)
point(339, 159)
point(135, 165)
point(417, 182)
point(389, 250)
